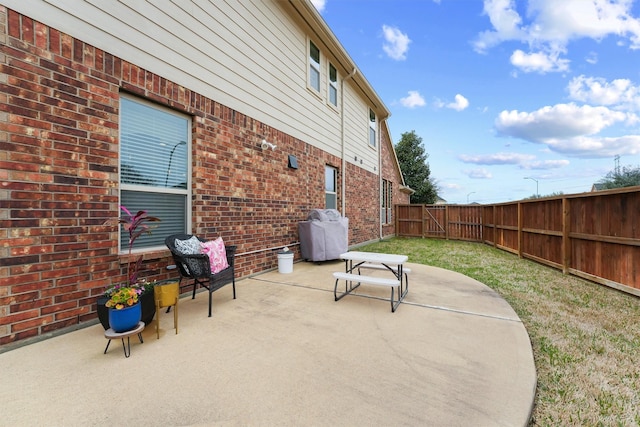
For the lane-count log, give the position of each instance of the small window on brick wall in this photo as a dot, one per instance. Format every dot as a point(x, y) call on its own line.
point(330, 187)
point(155, 173)
point(386, 202)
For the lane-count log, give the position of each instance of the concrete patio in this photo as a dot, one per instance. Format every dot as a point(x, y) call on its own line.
point(285, 353)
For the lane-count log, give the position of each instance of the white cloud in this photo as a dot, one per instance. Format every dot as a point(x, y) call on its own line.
point(619, 92)
point(396, 43)
point(413, 100)
point(523, 161)
point(450, 186)
point(504, 19)
point(592, 58)
point(545, 164)
point(496, 158)
point(552, 24)
point(558, 121)
point(319, 4)
point(478, 173)
point(540, 62)
point(597, 147)
point(459, 104)
point(570, 129)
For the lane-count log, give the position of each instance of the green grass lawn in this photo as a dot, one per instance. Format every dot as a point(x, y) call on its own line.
point(585, 336)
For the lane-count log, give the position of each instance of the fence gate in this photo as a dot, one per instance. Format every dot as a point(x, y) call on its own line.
point(462, 222)
point(435, 221)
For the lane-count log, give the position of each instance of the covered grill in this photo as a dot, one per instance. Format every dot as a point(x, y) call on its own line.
point(324, 235)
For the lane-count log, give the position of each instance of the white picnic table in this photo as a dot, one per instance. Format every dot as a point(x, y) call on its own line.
point(357, 260)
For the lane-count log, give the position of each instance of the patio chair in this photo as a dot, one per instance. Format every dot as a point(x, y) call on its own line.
point(197, 267)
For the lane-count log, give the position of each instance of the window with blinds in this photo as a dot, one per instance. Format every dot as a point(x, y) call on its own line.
point(154, 168)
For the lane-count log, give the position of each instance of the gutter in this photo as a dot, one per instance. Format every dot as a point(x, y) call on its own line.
point(380, 178)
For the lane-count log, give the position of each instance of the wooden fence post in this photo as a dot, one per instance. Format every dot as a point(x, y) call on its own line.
point(446, 222)
point(520, 230)
point(495, 227)
point(566, 230)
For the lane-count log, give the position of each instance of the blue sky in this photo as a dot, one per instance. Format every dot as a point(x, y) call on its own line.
point(502, 91)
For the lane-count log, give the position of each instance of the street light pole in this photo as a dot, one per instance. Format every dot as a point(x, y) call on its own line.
point(473, 192)
point(533, 179)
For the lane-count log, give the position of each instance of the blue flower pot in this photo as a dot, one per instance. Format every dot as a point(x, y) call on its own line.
point(125, 319)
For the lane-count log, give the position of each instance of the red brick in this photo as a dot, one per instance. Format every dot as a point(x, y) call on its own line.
point(74, 280)
point(30, 305)
point(13, 23)
point(59, 307)
point(41, 33)
point(14, 318)
point(18, 298)
point(52, 292)
point(54, 41)
point(23, 326)
point(27, 30)
point(53, 274)
point(72, 315)
point(53, 326)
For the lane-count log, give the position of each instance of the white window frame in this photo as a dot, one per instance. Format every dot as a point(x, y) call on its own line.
point(140, 247)
point(313, 66)
point(373, 129)
point(328, 192)
point(332, 86)
point(386, 207)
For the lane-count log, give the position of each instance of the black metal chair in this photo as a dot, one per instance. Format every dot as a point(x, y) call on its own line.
point(197, 268)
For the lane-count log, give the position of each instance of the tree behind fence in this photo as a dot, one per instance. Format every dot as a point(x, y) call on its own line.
point(595, 236)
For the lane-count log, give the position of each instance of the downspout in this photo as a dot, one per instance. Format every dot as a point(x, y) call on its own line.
point(343, 191)
point(380, 192)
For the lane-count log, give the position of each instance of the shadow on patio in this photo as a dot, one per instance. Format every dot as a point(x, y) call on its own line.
point(285, 353)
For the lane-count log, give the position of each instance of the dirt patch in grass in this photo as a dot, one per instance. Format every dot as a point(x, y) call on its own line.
point(585, 336)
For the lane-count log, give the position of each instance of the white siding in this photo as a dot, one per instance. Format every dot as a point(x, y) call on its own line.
point(357, 132)
point(249, 55)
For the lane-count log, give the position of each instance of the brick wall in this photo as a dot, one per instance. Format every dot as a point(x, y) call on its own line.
point(391, 173)
point(59, 106)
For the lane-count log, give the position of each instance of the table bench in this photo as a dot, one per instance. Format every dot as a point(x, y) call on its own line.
point(356, 260)
point(350, 278)
point(393, 268)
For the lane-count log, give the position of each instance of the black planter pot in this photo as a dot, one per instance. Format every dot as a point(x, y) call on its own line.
point(103, 312)
point(148, 309)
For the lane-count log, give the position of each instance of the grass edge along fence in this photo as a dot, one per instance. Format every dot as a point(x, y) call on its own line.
point(595, 236)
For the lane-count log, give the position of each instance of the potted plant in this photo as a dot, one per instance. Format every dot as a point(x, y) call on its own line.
point(135, 225)
point(125, 310)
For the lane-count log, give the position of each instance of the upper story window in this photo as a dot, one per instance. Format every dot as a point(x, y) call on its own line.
point(314, 66)
point(330, 187)
point(155, 147)
point(372, 128)
point(333, 85)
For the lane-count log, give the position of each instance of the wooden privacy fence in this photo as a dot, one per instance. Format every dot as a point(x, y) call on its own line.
point(595, 236)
